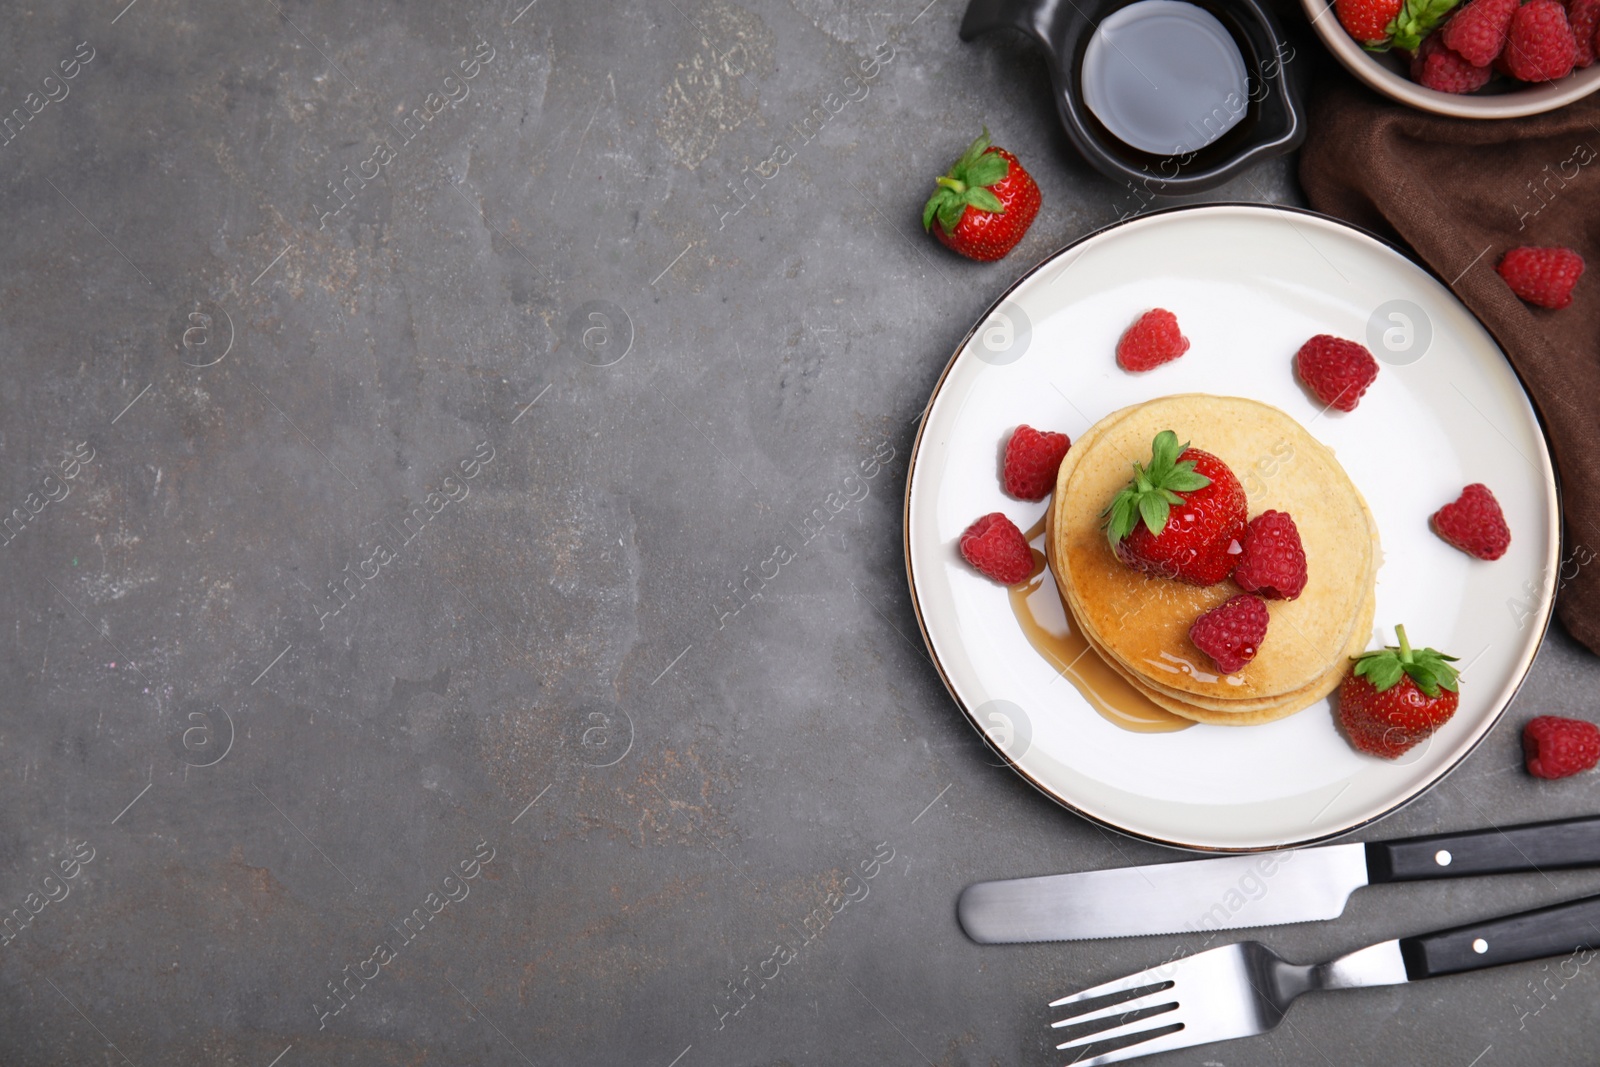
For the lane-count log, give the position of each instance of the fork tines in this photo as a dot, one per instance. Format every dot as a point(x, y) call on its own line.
point(1109, 1014)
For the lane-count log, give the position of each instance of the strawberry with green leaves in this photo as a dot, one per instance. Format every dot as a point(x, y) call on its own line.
point(1395, 697)
point(1182, 516)
point(984, 203)
point(1380, 25)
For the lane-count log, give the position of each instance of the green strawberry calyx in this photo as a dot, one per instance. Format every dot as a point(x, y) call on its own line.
point(966, 184)
point(1430, 671)
point(1415, 20)
point(1153, 490)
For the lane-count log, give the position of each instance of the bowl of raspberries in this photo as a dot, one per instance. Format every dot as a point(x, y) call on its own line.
point(1490, 59)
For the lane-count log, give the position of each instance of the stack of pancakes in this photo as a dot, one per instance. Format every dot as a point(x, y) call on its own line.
point(1140, 623)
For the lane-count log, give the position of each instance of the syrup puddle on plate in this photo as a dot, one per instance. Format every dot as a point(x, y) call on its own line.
point(1106, 691)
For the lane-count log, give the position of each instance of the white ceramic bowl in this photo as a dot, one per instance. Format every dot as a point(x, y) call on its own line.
point(1386, 72)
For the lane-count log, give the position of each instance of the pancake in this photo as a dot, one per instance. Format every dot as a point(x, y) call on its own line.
point(1150, 686)
point(1360, 633)
point(1141, 623)
point(1236, 712)
point(1284, 706)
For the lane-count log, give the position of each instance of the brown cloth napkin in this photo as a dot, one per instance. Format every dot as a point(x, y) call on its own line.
point(1459, 193)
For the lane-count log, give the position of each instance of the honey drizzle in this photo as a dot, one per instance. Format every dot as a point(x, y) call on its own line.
point(1106, 691)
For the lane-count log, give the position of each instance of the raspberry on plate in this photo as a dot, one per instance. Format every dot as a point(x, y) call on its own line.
point(1231, 633)
point(1540, 46)
point(1477, 32)
point(997, 549)
point(1556, 748)
point(1542, 276)
point(1474, 523)
point(1273, 561)
point(1337, 371)
point(1032, 459)
point(1152, 340)
point(1436, 67)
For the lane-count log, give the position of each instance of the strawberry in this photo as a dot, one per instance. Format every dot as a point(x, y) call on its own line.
point(1032, 459)
point(984, 204)
point(1556, 748)
point(1273, 562)
point(1474, 523)
point(1477, 33)
point(1383, 24)
point(1394, 697)
point(1153, 340)
point(997, 549)
point(1338, 371)
point(1540, 46)
point(1181, 517)
point(1542, 276)
point(1585, 18)
point(1231, 633)
point(1436, 67)
point(1368, 20)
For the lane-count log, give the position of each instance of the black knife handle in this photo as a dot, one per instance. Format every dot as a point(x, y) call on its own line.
point(1571, 929)
point(1538, 846)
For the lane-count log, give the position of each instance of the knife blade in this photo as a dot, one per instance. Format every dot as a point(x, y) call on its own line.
point(1256, 889)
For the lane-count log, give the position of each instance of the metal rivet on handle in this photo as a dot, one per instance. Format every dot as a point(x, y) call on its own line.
point(1442, 857)
point(1480, 946)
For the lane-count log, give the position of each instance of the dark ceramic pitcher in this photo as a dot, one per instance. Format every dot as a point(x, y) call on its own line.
point(1271, 125)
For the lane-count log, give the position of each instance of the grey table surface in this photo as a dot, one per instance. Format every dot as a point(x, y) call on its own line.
point(535, 517)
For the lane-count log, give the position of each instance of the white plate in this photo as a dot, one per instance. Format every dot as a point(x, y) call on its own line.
point(1249, 284)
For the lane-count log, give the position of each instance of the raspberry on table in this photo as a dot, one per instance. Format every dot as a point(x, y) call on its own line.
point(1231, 633)
point(1272, 562)
point(1477, 32)
point(1436, 67)
point(997, 549)
point(1031, 461)
point(1540, 46)
point(1474, 523)
point(1152, 340)
point(1544, 277)
point(1337, 371)
point(1554, 747)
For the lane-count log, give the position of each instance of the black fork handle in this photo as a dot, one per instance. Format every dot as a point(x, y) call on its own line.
point(1571, 929)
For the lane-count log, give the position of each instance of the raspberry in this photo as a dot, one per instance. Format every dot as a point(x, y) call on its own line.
point(1555, 747)
point(1540, 46)
point(1474, 523)
point(1273, 563)
point(1542, 276)
point(1032, 459)
point(1151, 341)
point(1436, 67)
point(1232, 632)
point(997, 548)
point(1585, 18)
point(1338, 371)
point(1477, 33)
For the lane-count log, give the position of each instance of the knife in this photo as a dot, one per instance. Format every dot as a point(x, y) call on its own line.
point(1257, 889)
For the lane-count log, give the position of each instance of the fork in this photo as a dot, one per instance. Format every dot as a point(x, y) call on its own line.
point(1245, 989)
